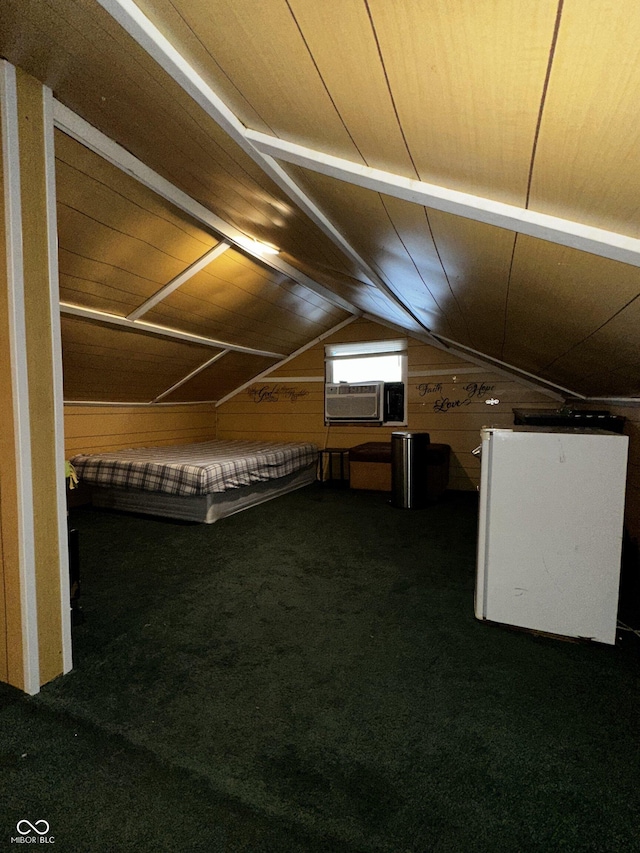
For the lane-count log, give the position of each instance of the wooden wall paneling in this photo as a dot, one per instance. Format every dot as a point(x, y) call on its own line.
point(91, 429)
point(228, 373)
point(462, 69)
point(97, 188)
point(347, 58)
point(241, 302)
point(559, 296)
point(120, 242)
point(607, 362)
point(106, 363)
point(477, 260)
point(585, 166)
point(277, 76)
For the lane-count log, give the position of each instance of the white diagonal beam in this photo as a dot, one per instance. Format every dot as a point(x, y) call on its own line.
point(189, 376)
point(160, 331)
point(179, 280)
point(565, 232)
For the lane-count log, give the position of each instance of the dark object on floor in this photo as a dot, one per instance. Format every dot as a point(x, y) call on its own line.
point(73, 539)
point(337, 464)
point(370, 468)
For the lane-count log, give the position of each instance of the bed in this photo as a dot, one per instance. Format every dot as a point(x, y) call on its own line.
point(197, 482)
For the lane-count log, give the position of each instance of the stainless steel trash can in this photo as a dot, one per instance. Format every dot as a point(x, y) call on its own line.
point(409, 454)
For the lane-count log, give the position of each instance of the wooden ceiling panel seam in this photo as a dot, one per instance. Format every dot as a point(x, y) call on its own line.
point(98, 282)
point(250, 328)
point(124, 233)
point(134, 314)
point(444, 272)
point(277, 323)
point(269, 68)
point(543, 98)
point(506, 301)
point(148, 95)
point(340, 59)
point(251, 192)
point(409, 255)
point(322, 80)
point(150, 41)
point(221, 312)
point(586, 166)
point(173, 9)
point(461, 66)
point(592, 333)
point(559, 297)
point(390, 90)
point(352, 203)
point(277, 284)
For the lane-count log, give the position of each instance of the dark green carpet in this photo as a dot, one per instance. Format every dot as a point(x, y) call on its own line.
point(309, 675)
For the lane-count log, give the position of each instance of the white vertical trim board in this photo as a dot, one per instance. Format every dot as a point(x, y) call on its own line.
point(56, 360)
point(19, 378)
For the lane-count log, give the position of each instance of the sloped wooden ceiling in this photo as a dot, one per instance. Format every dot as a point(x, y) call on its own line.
point(119, 245)
point(532, 104)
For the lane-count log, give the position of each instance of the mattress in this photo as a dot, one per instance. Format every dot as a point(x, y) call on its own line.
point(203, 508)
point(208, 467)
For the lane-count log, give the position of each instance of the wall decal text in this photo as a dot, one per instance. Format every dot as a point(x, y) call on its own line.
point(275, 393)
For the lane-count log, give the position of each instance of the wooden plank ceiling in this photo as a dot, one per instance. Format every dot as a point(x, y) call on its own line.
point(531, 104)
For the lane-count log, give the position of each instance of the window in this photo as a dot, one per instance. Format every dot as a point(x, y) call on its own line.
point(372, 362)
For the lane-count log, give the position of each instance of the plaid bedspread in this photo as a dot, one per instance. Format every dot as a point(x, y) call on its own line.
point(194, 469)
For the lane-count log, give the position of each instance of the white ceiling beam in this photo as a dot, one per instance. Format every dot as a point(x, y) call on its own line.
point(84, 133)
point(179, 280)
point(565, 232)
point(151, 40)
point(161, 331)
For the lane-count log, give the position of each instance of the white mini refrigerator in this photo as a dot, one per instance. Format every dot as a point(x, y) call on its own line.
point(550, 530)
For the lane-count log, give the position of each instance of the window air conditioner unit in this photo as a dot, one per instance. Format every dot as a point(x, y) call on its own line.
point(353, 401)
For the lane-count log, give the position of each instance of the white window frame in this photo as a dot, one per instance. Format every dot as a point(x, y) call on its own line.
point(367, 349)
